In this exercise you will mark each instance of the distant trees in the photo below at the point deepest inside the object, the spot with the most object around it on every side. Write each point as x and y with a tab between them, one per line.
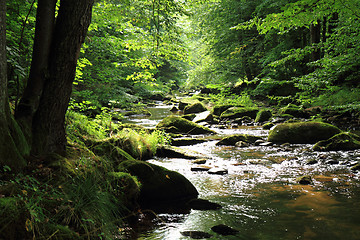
313	43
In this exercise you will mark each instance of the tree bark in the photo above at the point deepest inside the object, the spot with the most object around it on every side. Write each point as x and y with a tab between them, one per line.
12	148
45	19
48	128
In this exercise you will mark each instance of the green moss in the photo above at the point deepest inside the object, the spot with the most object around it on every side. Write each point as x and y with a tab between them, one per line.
194	108
219	109
231	140
342	141
175	124
294	110
302	132
263	115
238	112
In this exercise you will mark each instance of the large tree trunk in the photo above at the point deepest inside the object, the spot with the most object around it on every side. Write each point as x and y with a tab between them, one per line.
45	20
48	126
12	143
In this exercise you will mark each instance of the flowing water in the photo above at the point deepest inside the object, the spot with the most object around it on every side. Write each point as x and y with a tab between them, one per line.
260	195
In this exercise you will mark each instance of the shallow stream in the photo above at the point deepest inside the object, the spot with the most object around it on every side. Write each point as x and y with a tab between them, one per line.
260	196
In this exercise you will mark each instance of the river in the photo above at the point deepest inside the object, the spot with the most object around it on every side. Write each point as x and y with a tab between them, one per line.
260	196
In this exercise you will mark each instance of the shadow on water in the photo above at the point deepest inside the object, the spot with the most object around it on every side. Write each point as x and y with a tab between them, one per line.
261	197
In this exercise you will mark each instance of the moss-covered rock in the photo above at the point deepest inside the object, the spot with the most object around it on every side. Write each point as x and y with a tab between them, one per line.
195	108
233	139
219	109
126	188
186	141
158	184
238	112
263	115
186	102
175	124
268	125
302	132
294	110
342	141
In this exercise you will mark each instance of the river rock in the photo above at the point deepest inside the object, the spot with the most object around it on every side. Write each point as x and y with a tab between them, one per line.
356	167
203	117
200	161
186	141
242	144
263	115
302	132
174	109
342	141
294	110
268	125
238	112
195	108
304	180
173	152
196	234
158	184
224	230
175	124
218	171
219	109
201	168
233	139
202	204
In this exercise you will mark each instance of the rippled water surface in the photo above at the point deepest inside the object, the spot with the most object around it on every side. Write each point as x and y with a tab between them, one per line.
260	196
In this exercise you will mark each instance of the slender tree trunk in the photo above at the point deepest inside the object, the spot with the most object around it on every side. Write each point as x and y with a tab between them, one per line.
12	148
48	126
315	37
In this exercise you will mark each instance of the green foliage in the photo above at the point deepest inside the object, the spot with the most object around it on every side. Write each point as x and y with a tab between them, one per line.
232	99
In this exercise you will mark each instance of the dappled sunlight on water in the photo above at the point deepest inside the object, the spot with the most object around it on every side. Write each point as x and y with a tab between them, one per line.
260	195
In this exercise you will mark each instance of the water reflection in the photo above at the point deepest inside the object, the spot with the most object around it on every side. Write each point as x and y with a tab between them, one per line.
261	197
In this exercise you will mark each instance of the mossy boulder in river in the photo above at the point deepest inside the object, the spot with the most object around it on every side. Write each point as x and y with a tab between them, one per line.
195	108
175	124
159	185
219	109
238	112
302	132
233	139
263	115
342	141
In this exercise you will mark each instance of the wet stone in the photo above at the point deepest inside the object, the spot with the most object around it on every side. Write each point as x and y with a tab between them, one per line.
196	234
224	230
200	169
202	204
241	144
199	161
304	180
218	171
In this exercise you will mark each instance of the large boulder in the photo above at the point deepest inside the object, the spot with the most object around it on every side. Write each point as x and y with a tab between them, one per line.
342	141
219	109
175	124
233	139
195	108
239	112
159	185
302	132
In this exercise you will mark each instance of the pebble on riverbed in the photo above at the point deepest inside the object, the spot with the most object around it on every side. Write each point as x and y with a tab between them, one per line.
304	180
